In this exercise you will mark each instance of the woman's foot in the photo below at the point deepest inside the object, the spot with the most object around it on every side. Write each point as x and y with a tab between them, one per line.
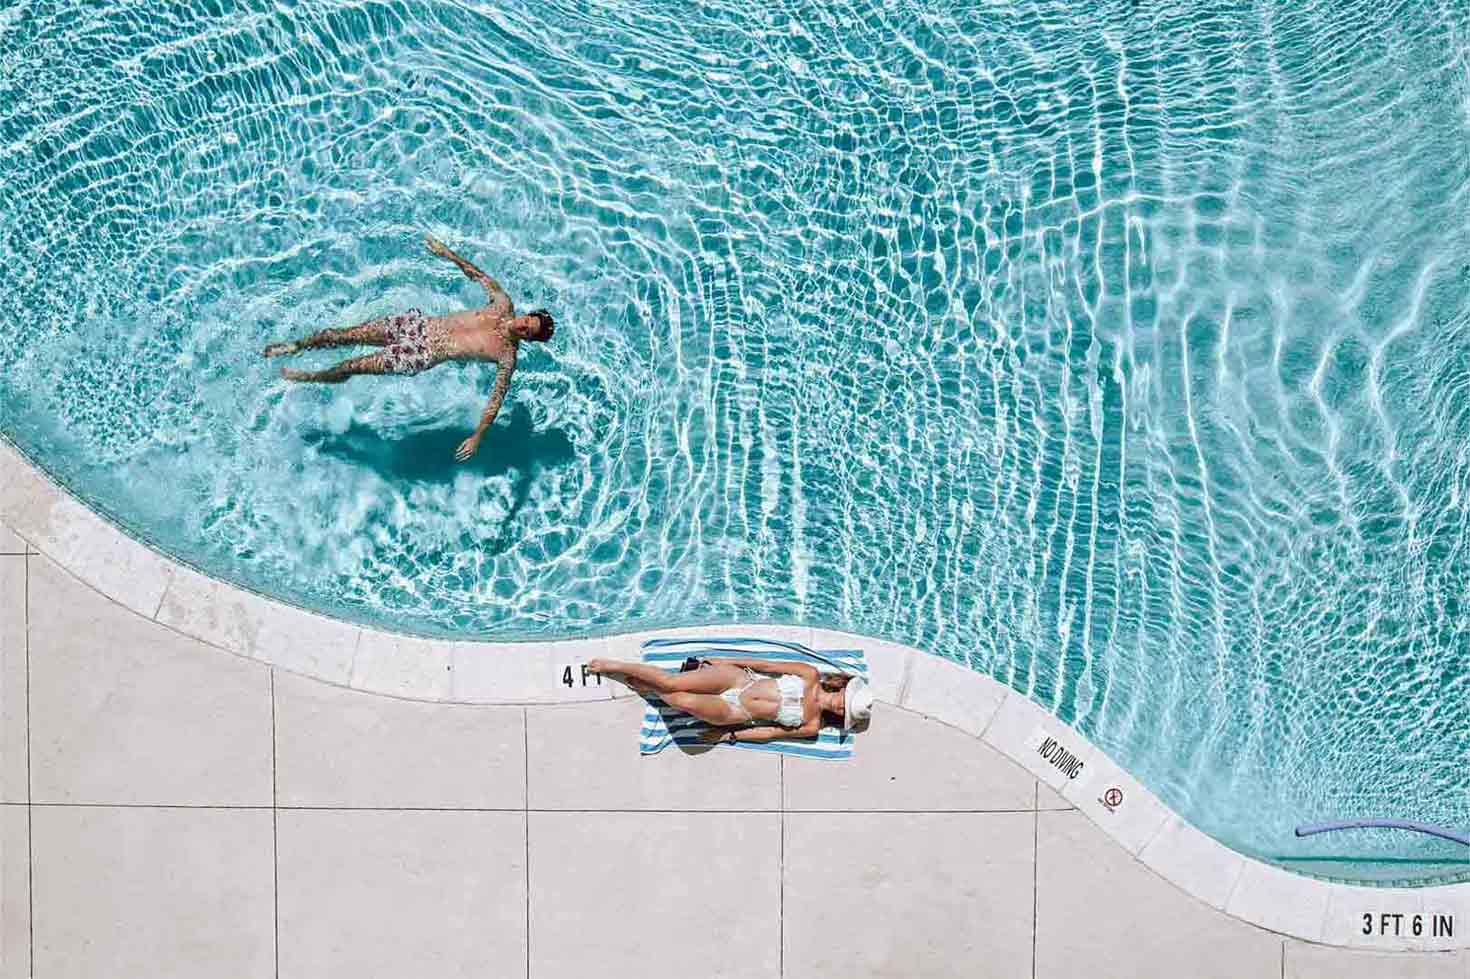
281	349
617	670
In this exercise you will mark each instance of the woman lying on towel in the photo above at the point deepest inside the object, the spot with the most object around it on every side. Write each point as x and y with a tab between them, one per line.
751	699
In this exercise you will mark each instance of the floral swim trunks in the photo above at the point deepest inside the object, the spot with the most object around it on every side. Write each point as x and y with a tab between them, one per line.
410	348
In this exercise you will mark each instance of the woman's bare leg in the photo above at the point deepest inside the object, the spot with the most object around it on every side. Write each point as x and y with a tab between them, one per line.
369	364
713	679
707	707
373	333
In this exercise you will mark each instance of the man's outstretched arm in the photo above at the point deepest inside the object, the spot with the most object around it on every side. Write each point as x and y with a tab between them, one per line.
471	271
471	445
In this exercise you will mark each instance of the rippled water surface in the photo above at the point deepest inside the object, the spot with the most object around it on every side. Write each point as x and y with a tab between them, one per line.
1118	350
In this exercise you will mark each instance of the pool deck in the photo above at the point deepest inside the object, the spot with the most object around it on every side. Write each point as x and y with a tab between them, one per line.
200	782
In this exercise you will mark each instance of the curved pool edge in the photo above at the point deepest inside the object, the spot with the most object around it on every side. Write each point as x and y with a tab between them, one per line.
63	529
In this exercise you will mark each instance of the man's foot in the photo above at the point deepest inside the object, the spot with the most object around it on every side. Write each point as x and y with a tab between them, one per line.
281	349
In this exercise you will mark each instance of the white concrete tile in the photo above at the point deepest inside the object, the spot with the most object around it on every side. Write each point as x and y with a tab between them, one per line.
245	623
84	543
526	673
25	494
1192	861
1321	962
1382	918
1043	745
1113	799
373	893
1279	900
888	663
162	893
951	693
626	894
13	774
15	896
1353	910
629	645
1101	914
10	542
338	747
1447	908
124	570
905	761
402	666
908	894
125	711
587	758
1049	798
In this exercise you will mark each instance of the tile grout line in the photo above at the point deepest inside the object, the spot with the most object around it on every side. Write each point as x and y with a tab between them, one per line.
1005	695
352	667
1235	886
781	879
526	824
905	675
162	597
275	837
30	821
1035	859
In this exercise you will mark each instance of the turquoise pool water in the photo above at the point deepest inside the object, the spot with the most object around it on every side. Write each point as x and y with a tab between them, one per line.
1118	350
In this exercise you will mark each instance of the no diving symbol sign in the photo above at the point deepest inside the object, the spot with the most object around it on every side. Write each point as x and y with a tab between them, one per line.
1112	799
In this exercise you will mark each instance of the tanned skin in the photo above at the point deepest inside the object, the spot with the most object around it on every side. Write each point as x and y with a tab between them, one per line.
492	332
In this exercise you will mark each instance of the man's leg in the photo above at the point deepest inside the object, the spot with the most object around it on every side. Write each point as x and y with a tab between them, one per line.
373	333
369	364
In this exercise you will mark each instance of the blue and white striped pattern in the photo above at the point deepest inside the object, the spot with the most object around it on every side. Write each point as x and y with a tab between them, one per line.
663	726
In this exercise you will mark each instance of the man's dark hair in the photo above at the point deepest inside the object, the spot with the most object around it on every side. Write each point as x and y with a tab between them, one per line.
548	325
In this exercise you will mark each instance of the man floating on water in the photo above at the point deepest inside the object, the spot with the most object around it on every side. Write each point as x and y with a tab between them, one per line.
413	343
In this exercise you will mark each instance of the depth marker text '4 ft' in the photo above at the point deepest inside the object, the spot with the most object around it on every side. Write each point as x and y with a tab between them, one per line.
569	680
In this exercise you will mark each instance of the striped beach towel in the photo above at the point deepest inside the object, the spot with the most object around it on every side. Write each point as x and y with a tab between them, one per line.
663	726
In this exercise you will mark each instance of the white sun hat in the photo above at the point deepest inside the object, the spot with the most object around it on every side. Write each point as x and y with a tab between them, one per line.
857	705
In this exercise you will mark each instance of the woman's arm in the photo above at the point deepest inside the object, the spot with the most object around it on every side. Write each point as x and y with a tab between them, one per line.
804	670
762	733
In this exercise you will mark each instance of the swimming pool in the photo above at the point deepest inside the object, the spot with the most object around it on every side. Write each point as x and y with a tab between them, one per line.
1118	350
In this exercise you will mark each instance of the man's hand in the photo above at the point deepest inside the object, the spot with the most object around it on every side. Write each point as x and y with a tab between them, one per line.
712	735
437	247
468	448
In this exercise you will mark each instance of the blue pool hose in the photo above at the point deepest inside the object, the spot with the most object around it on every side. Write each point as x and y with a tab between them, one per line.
1426	828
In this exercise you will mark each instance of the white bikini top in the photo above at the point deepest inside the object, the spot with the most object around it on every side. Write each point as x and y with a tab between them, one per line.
790	687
